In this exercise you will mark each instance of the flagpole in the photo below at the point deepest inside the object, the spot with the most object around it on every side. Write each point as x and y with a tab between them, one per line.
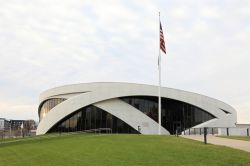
159	88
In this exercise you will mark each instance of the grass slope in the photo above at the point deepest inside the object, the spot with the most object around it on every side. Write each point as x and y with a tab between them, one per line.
117	150
244	138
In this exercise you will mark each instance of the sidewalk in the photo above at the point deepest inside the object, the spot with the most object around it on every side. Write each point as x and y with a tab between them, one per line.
232	143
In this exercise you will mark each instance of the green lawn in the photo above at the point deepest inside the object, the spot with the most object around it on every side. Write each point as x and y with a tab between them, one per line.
118	150
245	138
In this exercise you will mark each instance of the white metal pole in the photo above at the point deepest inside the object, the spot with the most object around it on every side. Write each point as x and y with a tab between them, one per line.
159	88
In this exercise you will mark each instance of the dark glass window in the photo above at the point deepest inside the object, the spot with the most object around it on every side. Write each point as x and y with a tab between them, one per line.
176	115
48	105
89	118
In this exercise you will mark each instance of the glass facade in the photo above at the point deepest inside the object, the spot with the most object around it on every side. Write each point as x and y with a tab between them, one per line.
89	118
176	115
48	105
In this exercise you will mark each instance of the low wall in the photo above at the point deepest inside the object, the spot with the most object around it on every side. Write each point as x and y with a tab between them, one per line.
199	131
236	131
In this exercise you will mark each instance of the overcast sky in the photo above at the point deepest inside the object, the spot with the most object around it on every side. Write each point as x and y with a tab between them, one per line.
44	44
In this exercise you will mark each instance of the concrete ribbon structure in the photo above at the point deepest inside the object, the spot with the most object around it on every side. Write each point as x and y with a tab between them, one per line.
106	95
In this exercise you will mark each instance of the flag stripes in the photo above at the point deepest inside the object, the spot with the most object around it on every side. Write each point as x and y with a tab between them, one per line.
162	42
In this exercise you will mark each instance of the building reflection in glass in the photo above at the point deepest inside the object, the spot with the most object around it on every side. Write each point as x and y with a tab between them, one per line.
48	105
175	114
89	118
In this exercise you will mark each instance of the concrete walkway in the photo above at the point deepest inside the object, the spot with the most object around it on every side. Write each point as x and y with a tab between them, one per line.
232	143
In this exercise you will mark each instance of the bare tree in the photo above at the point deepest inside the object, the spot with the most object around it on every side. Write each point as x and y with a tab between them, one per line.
2	134
28	125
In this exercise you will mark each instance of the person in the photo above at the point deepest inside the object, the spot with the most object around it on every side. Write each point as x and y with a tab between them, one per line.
139	129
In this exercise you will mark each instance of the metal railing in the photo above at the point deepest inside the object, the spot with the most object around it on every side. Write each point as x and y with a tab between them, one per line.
199	131
223	131
5	136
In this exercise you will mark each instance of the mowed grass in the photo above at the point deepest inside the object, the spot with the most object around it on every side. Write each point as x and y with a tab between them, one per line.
244	138
118	150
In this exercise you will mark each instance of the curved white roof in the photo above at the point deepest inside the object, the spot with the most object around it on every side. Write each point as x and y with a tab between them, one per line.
106	95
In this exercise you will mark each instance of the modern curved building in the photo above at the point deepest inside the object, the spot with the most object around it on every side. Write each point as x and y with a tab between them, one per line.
127	108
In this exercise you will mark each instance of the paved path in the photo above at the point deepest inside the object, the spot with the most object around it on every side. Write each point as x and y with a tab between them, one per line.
233	143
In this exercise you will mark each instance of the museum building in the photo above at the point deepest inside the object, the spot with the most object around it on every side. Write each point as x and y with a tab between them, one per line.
128	108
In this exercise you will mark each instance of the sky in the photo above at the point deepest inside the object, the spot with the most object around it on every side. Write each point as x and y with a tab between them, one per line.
45	44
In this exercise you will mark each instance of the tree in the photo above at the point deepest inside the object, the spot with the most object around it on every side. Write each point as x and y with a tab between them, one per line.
28	125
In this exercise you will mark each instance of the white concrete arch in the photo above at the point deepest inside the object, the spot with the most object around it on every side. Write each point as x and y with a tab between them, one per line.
81	95
131	116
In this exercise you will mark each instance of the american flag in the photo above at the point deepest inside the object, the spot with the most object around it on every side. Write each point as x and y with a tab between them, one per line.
162	42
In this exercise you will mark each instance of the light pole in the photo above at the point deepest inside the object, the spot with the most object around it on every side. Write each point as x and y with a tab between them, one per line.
10	128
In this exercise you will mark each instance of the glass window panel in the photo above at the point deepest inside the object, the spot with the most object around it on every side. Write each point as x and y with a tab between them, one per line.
48	105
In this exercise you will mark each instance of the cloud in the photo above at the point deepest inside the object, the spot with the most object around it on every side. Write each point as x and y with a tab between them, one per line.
51	43
211	12
181	12
14	110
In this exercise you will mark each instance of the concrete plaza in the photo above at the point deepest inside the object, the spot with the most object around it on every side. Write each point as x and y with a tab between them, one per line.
233	143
